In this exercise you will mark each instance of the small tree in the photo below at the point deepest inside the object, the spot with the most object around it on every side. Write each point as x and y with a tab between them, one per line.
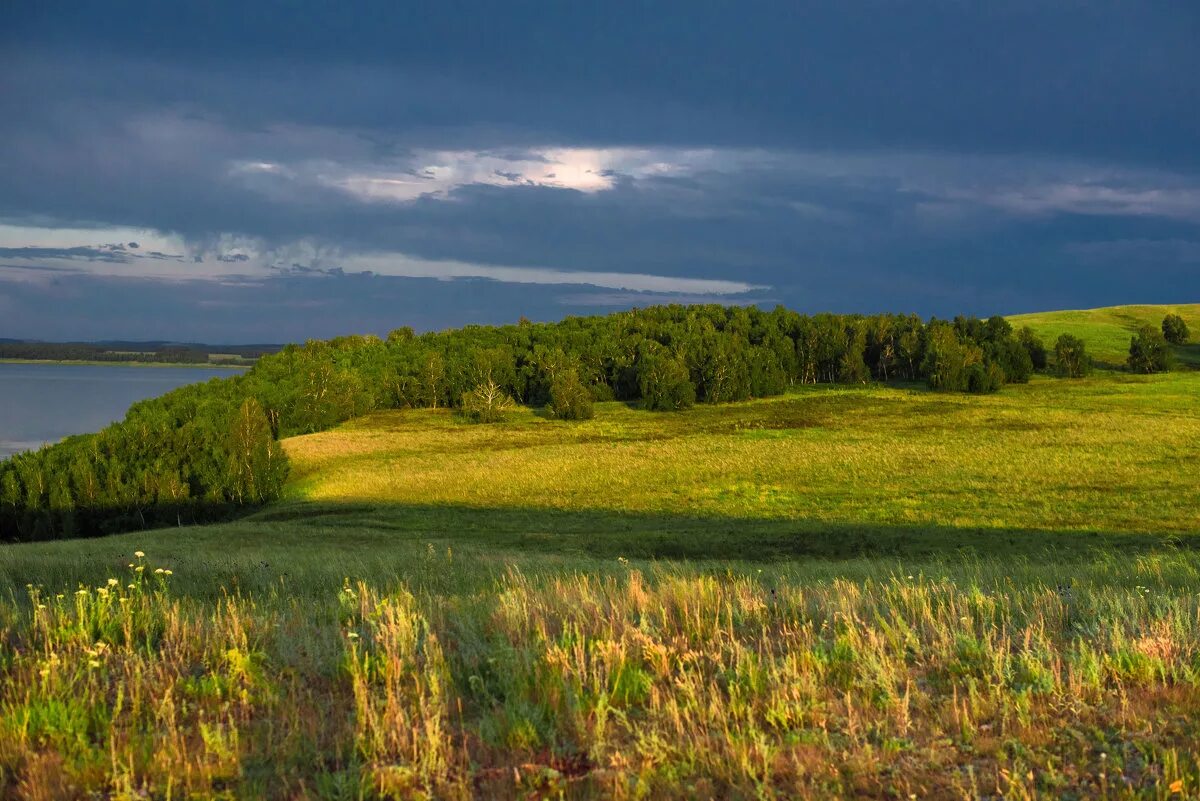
1175	330
1149	352
664	381
487	403
1071	358
257	465
569	398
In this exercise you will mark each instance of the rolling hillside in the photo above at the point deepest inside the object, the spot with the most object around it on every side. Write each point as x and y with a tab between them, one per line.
1107	331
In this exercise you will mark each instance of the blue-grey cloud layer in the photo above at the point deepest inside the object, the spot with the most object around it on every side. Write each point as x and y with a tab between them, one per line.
936	157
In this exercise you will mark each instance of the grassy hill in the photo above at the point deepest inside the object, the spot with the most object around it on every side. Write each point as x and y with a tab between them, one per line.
1107	331
841	592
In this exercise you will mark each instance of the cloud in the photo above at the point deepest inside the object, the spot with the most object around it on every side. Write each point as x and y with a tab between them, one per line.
826	157
286	306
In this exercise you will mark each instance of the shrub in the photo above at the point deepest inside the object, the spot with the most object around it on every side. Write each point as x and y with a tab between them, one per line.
569	398
1034	347
1071	358
1175	330
487	403
1013	359
1149	352
984	378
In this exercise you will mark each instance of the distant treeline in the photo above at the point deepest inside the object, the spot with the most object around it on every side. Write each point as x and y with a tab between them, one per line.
132	352
208	450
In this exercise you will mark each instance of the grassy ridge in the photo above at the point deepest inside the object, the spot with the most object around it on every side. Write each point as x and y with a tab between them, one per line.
1107	331
1105	454
840	593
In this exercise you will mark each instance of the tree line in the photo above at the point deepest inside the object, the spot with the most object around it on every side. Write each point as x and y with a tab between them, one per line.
208	450
131	352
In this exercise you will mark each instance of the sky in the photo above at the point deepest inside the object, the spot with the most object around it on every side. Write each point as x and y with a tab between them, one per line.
231	172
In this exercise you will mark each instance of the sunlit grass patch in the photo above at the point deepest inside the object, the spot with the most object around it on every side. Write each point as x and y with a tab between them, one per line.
636	680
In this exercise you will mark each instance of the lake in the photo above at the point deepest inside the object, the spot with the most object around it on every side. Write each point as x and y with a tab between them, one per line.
42	403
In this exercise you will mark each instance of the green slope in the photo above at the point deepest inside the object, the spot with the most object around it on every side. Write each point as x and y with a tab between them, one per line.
1107	331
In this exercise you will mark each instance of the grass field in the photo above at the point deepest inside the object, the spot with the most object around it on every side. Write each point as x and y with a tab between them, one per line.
841	593
1107	331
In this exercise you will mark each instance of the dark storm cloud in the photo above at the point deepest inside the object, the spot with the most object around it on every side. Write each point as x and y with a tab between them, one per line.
938	157
1107	78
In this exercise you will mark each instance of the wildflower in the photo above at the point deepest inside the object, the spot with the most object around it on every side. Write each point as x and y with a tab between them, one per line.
139	554
910	578
131	564
44	672
352	635
93	663
140	568
131	586
81	591
168	573
112	582
158	571
41	606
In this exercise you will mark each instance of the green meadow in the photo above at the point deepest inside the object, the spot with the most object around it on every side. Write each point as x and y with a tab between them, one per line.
868	592
1107	331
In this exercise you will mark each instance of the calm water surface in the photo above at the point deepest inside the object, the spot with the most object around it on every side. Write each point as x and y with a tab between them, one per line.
42	403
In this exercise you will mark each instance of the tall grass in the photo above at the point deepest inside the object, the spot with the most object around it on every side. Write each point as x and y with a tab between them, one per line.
965	679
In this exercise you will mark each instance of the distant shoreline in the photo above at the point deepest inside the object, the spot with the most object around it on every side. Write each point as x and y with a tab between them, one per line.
105	363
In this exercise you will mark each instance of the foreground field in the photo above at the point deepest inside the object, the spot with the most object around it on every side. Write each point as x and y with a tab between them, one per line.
840	593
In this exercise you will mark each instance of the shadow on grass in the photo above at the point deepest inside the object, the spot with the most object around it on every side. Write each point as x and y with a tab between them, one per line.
610	534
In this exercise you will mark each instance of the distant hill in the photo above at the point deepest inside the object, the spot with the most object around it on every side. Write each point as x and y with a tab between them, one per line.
157	351
1107	331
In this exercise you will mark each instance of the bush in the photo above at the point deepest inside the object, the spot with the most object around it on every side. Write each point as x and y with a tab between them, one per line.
1175	330
569	398
1071	358
984	378
1149	352
487	403
1034	347
1013	359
